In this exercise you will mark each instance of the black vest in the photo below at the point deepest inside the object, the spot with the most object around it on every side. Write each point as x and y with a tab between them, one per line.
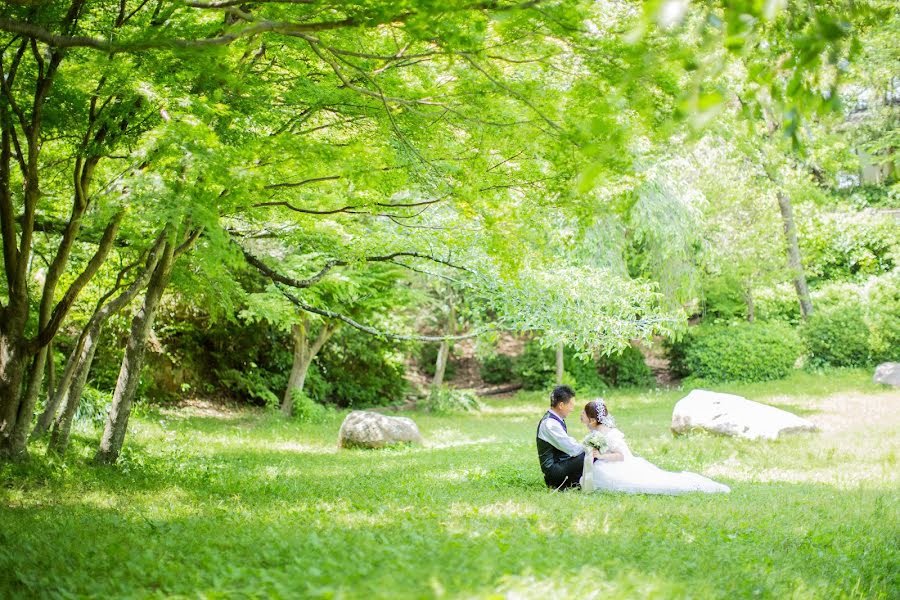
549	454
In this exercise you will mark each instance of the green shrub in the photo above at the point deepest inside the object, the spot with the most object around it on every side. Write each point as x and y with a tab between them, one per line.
778	303
865	196
248	362
428	360
837	337
250	383
536	369
585	375
251	361
446	400
497	368
307	410
736	352
723	298
882	314
845	244
360	370
837	295
626	369
93	407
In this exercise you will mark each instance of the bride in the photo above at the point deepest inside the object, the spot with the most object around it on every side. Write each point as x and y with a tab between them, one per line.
618	470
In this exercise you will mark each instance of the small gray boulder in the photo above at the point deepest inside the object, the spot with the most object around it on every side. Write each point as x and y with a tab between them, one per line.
366	429
728	414
887	373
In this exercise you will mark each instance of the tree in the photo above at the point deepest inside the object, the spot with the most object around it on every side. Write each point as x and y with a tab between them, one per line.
357	112
361	293
66	396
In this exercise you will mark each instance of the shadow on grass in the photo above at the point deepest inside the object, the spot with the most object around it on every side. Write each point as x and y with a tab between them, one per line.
464	539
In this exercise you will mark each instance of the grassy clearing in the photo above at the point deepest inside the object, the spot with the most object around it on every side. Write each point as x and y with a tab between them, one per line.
249	505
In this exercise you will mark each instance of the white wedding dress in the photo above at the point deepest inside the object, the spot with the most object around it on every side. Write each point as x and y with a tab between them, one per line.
638	476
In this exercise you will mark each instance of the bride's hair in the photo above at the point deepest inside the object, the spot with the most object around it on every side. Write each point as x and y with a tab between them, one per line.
596	410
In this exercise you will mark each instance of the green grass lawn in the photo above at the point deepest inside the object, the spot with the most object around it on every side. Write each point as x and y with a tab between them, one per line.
246	504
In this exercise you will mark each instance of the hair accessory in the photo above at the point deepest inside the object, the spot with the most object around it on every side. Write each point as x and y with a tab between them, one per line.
603	416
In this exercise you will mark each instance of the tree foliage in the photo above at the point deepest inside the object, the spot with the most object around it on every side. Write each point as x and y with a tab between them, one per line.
329	144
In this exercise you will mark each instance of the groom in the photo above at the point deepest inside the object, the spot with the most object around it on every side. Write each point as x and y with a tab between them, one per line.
561	456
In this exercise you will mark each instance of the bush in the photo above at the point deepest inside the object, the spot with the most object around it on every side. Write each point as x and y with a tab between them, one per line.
447	400
94	406
249	362
845	244
736	352
865	196
497	368
778	303
582	375
626	369
428	359
723	298
536	368
356	369
307	410
250	383
837	337
882	315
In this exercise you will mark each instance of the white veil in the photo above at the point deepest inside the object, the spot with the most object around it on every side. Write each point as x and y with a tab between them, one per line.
587	473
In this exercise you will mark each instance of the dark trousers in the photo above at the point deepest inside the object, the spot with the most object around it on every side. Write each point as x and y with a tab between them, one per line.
565	473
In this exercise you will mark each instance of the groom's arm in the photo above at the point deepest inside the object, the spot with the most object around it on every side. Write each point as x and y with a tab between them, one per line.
554	434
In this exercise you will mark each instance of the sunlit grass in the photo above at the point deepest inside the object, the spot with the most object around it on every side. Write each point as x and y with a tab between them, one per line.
250	505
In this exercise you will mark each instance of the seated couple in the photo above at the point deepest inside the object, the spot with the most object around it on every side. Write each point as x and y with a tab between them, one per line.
607	464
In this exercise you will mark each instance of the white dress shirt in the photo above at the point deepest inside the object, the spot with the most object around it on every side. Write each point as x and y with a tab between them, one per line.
552	432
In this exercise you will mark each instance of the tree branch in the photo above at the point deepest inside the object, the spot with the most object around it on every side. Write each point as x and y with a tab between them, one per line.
512	93
185	246
371	330
331	264
314	44
6	82
62	307
346	209
304	182
7	219
286	28
69	41
352	209
229	3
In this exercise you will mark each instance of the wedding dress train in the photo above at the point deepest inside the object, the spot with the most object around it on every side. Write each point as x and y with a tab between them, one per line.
636	475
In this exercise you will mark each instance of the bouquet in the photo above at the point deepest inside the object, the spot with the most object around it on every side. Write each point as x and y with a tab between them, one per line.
595	441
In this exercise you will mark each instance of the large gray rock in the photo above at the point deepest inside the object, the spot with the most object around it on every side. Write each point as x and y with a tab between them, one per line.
365	429
887	373
728	414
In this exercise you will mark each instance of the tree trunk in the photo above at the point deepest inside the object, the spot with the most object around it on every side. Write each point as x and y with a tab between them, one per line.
57	393
793	251
748	298
12	372
133	360
17	353
71	395
440	365
51	371
18	439
49	320
14	350
299	335
560	363
303	357
68	391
